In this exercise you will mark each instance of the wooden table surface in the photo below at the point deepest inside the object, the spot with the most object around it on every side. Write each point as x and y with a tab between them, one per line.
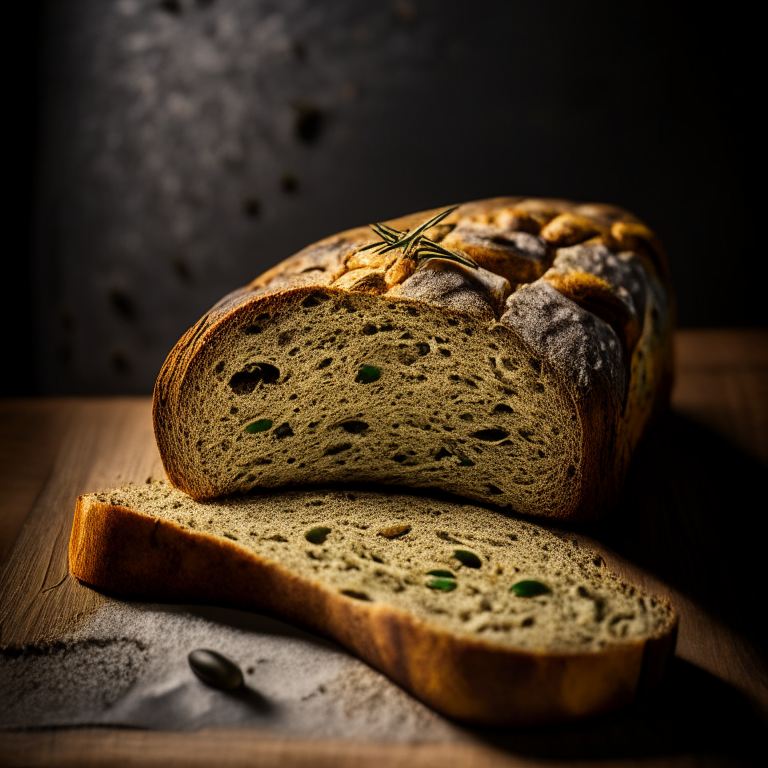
690	525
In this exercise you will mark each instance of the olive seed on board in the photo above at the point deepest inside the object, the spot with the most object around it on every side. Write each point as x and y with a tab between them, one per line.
215	670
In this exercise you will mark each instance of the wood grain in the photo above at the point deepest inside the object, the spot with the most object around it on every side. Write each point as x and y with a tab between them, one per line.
31	433
688	525
88	748
104	442
721	381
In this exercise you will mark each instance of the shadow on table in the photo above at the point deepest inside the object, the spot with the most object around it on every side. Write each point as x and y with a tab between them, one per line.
690	713
261	623
693	512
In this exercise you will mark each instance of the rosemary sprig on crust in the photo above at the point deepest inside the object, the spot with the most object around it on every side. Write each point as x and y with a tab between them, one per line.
415	245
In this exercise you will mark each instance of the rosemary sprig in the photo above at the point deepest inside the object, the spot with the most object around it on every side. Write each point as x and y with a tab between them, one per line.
411	238
415	245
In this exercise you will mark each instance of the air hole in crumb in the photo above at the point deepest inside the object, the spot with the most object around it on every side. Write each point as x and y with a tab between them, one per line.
493	490
442	453
314	299
527	622
336	449
502	408
284	430
571	471
490	435
220	367
354	427
245	381
285	337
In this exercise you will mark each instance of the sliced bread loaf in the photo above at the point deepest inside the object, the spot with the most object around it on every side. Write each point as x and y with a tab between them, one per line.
511	352
486	618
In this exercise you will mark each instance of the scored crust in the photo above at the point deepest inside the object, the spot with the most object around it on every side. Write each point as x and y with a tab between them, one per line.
577	293
455	668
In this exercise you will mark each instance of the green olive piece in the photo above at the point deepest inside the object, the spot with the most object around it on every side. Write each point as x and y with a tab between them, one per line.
529	588
470	559
444	585
215	670
262	425
442	574
368	374
317	535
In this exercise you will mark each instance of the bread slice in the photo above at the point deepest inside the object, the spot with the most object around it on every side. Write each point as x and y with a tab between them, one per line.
525	380
419	588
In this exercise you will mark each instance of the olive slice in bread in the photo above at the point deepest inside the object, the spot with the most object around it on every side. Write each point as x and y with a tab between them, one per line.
521	373
487	618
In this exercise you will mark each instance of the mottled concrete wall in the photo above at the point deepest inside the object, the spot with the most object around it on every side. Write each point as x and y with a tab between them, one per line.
187	145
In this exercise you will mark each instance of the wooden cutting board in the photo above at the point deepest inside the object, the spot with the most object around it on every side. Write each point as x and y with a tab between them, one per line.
688	526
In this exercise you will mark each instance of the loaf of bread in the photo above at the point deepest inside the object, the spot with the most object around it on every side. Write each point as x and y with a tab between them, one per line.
510	351
485	617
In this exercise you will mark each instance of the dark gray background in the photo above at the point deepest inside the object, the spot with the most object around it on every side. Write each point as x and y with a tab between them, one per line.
171	151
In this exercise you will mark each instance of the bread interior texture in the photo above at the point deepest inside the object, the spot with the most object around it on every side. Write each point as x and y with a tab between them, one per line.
450	564
319	386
